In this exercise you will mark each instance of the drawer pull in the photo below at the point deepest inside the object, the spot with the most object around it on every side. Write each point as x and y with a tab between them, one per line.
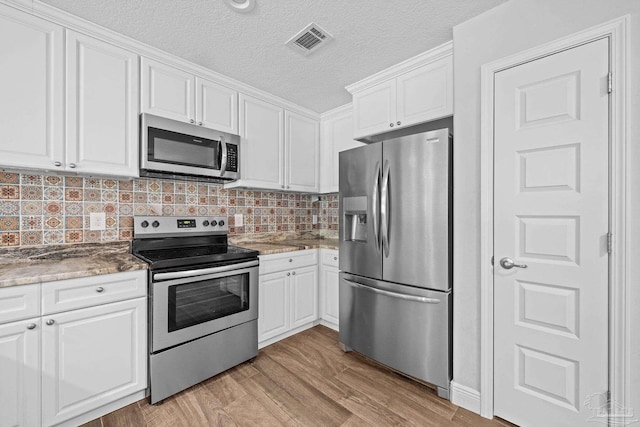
100	290
288	274
335	258
31	326
294	273
393	294
50	322
290	259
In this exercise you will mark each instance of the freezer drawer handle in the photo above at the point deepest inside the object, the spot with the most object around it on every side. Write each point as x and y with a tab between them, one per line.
394	294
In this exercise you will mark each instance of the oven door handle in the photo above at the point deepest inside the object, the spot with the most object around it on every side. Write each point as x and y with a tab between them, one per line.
203	271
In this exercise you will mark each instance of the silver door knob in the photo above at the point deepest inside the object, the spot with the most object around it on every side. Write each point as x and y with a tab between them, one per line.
507	263
58	164
72	165
50	322
31	326
100	290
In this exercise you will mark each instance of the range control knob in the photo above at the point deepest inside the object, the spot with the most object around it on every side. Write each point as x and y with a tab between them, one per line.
205	222
221	223
144	224
155	224
214	222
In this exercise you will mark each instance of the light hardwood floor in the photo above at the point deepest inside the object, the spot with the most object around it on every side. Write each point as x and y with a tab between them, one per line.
304	380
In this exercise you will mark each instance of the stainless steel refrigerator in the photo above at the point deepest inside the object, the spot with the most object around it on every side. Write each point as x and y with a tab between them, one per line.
395	254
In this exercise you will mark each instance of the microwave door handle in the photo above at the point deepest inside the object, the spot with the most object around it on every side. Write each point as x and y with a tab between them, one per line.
223	162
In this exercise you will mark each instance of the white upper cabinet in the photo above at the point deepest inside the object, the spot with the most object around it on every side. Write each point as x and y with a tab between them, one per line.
216	106
31	88
415	91
336	136
302	141
176	94
102	107
279	148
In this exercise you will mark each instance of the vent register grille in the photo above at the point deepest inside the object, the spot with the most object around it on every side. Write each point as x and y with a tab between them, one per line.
309	39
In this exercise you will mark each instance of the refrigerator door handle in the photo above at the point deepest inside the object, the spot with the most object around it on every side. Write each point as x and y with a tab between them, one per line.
385	209
374	206
393	294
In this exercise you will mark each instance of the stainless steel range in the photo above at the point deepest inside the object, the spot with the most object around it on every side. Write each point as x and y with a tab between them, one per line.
203	300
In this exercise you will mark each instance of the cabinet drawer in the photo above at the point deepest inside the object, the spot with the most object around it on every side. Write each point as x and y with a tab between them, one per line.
19	302
287	261
83	292
330	258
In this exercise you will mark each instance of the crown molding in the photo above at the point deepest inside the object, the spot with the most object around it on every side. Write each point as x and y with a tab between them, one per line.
338	111
81	25
432	55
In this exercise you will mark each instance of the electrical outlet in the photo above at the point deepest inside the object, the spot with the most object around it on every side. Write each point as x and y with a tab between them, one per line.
97	221
239	220
315	219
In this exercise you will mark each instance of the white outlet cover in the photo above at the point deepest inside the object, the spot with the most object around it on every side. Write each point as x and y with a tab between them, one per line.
97	221
239	220
315	219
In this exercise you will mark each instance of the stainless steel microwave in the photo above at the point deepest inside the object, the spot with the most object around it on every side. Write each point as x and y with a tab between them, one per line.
169	148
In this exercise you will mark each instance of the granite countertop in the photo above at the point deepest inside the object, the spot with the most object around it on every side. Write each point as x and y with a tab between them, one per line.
23	266
274	243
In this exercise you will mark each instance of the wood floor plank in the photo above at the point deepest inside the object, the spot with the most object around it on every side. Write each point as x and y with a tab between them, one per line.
94	423
323	406
304	380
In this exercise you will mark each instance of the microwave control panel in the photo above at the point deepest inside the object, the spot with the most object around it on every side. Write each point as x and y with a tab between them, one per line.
232	157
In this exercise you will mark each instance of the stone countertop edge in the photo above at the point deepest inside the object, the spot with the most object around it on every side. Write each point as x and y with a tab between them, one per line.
30	265
269	248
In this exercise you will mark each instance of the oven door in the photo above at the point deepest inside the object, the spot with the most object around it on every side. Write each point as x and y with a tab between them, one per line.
186	305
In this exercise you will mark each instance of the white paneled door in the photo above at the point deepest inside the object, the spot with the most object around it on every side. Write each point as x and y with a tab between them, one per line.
551	181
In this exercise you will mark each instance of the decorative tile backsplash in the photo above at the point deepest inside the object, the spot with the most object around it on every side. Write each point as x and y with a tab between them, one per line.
54	209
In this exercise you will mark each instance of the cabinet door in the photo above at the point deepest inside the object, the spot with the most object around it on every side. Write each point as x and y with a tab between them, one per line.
92	357
216	106
374	110
304	296
32	91
425	93
336	136
102	107
273	305
167	91
302	141
262	155
20	373
329	294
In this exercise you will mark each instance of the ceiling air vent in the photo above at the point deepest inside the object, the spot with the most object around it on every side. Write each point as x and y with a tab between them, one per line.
309	39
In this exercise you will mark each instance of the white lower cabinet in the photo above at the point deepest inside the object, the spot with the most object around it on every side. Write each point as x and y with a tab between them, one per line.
288	294
70	366
20	373
91	357
329	308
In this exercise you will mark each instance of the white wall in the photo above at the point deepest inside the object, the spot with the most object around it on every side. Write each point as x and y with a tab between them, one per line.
510	28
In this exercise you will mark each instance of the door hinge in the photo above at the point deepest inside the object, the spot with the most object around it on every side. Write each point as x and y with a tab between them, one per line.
609	243
610	82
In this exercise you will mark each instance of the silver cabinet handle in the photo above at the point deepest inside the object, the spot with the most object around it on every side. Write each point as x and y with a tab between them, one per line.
191	121
58	164
335	258
398	123
223	162
507	263
288	274
290	259
282	186
199	123
374	206
391	125
393	294
31	326
294	273
100	289
385	208
72	165
50	322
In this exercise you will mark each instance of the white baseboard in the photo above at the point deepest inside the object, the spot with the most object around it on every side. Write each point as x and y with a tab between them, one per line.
329	325
104	410
465	397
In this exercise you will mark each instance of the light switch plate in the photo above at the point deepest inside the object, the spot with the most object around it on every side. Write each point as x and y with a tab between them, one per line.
97	221
239	220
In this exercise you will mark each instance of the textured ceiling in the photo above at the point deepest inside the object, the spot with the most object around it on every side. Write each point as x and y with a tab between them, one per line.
370	35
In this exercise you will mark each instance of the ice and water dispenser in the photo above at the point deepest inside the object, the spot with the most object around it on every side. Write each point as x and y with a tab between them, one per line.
355	218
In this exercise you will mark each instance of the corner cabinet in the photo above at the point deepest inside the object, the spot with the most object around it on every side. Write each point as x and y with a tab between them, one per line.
336	136
179	95
279	148
75	353
288	295
416	91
